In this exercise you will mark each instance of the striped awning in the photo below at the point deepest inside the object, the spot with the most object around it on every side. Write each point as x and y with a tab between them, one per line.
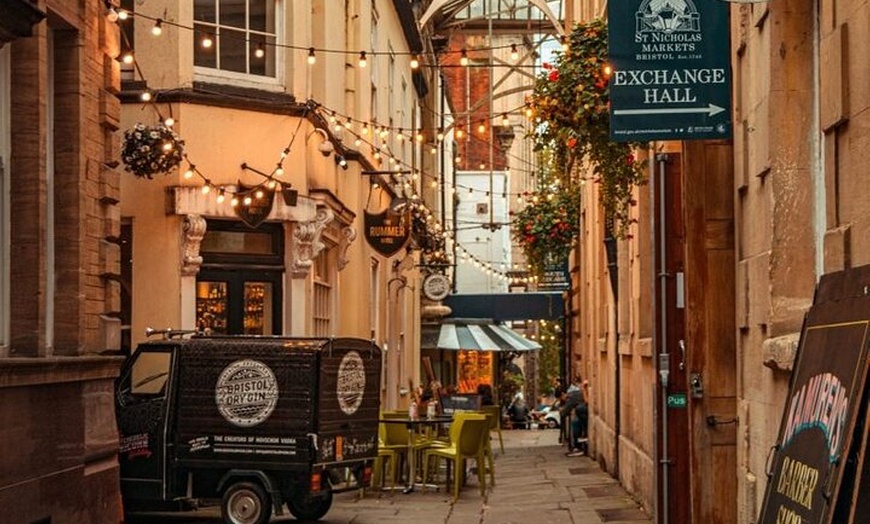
475	334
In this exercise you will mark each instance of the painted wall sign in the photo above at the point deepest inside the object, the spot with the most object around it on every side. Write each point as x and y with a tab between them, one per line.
819	418
387	232
671	70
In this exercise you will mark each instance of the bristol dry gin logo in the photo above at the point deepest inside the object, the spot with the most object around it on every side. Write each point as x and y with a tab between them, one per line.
667	16
246	393
351	382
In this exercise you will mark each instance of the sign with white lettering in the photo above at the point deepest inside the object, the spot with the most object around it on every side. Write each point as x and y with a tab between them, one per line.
815	445
671	75
387	232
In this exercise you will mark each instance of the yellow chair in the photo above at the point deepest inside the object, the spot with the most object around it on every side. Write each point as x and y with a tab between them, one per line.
387	454
493	414
467	440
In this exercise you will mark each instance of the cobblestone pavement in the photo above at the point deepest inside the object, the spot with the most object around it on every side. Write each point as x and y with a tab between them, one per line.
535	482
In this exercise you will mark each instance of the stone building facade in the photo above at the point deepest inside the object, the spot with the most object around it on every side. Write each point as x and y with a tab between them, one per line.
59	289
750	225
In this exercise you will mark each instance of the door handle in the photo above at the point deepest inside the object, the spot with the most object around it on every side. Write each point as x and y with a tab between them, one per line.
682	345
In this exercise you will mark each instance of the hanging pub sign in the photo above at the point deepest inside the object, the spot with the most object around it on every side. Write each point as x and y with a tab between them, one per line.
671	76
254	213
823	411
387	232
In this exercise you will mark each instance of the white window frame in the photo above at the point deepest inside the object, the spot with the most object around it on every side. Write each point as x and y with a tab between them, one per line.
220	76
5	156
324	283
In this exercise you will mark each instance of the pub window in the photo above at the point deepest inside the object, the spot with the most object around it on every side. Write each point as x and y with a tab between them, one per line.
231	242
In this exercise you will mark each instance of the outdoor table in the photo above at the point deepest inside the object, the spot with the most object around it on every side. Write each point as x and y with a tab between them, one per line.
414	426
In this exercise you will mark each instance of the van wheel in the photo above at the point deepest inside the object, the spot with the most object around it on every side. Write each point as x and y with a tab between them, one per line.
246	503
307	507
552	424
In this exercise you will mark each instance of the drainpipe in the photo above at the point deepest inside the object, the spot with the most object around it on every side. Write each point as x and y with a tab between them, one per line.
664	358
610	248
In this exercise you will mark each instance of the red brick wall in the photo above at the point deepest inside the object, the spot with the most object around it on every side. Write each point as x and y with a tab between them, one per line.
468	89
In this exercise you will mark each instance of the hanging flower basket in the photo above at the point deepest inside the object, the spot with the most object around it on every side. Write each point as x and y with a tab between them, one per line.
571	110
151	150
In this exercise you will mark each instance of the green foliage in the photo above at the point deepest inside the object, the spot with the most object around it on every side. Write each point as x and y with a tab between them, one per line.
551	340
570	104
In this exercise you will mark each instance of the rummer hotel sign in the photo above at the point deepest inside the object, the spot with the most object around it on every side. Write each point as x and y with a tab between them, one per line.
387	232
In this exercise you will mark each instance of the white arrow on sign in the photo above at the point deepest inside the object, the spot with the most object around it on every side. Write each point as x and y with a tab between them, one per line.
711	109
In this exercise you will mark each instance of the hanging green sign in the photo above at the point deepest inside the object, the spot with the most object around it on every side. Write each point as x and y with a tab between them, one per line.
671	75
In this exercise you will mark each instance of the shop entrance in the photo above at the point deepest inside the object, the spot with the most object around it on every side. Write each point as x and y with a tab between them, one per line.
239	289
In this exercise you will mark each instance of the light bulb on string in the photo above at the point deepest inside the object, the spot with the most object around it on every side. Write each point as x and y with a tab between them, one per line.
362	59
169	121
206	41
515	55
564	41
481	128
504	120
415	62
247	200
463	58
145	96
420	137
357	142
234	201
221	197
311	57
206	189
260	52
188	174
127	58
157	28
440	135
271	184
279	170
123	14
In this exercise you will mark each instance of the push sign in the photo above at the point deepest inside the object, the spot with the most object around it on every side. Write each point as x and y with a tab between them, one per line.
671	70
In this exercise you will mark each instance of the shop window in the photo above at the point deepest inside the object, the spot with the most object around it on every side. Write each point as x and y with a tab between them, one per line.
236	36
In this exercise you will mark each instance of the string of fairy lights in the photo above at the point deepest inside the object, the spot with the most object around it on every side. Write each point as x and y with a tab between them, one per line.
404	180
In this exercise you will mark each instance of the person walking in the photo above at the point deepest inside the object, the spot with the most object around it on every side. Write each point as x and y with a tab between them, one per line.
575	412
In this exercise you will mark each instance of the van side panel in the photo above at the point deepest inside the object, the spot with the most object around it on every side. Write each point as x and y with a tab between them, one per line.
252	403
349	404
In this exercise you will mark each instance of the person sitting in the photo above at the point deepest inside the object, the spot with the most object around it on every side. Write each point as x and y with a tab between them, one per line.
485	392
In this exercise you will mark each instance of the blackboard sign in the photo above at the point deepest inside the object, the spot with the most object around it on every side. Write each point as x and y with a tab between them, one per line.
819	419
450	404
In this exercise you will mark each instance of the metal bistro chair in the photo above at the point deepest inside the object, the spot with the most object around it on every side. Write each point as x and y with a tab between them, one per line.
388	454
493	414
467	440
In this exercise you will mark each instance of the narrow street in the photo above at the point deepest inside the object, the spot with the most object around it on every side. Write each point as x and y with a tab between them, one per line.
535	482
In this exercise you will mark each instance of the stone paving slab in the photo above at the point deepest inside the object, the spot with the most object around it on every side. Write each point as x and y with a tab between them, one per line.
535	483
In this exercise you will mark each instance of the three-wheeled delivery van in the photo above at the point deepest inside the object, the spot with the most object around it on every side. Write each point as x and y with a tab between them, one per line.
256	422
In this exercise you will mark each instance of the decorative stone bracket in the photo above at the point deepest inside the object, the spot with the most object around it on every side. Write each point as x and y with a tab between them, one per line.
306	243
348	235
193	228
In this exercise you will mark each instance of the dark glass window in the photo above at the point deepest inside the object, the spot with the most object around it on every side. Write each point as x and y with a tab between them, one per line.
241	35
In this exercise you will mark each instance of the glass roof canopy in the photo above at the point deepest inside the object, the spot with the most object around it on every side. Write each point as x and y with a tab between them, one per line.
513	15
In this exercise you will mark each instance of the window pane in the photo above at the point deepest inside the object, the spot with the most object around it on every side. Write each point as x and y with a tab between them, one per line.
211	307
204	11
203	56
258	308
248	242
233	13
262	16
233	51
149	373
